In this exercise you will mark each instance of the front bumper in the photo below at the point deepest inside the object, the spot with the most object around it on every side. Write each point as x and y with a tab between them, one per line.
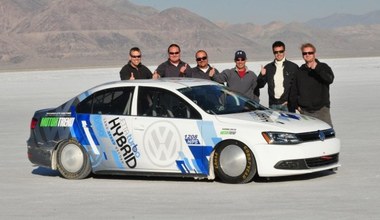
307	157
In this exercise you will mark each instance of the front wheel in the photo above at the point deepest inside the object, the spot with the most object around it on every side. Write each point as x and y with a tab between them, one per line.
234	162
72	160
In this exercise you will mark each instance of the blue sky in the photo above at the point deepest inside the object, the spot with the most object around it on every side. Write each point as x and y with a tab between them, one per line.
265	11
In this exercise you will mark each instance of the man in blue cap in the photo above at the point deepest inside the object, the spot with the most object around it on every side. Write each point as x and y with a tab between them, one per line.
240	78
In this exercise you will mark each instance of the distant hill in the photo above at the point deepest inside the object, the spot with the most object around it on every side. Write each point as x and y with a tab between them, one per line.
345	20
40	34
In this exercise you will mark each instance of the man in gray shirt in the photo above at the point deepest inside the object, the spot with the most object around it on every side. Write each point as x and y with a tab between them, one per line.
174	66
239	78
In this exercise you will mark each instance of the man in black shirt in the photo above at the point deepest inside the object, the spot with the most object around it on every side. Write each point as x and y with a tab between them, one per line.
310	91
134	69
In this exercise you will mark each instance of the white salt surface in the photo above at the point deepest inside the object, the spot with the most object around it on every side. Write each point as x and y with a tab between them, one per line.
353	192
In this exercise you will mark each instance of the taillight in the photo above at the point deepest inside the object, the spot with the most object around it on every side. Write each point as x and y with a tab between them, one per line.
33	123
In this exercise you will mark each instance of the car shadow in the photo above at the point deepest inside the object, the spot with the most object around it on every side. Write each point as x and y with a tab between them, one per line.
294	177
149	178
43	171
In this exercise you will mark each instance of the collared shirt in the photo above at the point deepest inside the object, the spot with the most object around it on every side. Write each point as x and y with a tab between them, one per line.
199	73
167	69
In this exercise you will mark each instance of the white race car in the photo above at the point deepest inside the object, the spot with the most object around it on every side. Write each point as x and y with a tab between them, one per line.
177	127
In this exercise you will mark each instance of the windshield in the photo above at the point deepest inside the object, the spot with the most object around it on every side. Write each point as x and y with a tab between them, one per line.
218	99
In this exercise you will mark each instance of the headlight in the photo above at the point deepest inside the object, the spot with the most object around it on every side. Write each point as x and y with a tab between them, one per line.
280	138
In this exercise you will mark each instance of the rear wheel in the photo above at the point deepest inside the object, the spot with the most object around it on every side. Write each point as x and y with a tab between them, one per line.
72	160
234	162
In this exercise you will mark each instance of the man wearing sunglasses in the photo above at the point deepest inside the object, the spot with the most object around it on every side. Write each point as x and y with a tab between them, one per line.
203	70
279	76
134	69
310	91
174	66
240	78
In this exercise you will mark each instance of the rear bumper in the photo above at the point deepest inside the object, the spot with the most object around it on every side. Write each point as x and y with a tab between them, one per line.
39	155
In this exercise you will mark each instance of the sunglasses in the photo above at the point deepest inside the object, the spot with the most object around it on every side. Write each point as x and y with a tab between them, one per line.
172	53
307	53
201	58
278	51
240	59
138	56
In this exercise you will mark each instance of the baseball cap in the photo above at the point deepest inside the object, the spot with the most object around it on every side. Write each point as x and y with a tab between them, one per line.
240	54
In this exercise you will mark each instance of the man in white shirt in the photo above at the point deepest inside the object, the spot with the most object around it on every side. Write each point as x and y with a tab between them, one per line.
279	75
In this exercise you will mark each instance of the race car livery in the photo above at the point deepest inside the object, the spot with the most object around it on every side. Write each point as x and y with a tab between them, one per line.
177	127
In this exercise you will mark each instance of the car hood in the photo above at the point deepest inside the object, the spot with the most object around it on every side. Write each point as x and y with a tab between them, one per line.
275	121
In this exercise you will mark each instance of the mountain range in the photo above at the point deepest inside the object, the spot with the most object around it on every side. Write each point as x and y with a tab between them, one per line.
44	34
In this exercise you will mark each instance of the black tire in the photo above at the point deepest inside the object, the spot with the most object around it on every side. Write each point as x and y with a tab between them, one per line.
73	161
234	162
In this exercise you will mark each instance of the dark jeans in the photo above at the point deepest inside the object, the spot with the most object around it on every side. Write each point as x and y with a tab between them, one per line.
279	107
322	114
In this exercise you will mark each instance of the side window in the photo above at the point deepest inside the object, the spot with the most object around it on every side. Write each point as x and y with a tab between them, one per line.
115	101
158	102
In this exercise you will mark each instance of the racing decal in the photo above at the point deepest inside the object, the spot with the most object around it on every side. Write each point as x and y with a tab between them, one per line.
200	161
274	117
287	116
83	132
57	122
261	116
55	126
191	139
228	131
208	133
183	164
121	137
58	114
162	141
77	130
89	138
199	164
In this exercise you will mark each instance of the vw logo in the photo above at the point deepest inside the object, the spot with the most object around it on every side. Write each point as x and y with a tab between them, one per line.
162	143
322	136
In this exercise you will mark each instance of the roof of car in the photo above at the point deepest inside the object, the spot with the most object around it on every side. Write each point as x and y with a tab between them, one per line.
168	82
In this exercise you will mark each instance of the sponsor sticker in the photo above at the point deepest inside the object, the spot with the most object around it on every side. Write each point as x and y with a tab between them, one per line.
57	122
120	135
228	131
192	139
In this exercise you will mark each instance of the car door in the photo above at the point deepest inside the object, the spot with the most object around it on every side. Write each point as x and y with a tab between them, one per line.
167	130
104	128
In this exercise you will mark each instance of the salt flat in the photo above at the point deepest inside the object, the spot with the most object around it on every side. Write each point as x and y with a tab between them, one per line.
353	192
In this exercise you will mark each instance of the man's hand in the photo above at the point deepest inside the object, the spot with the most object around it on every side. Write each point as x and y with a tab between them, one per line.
212	72
132	77
183	69
156	75
263	71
